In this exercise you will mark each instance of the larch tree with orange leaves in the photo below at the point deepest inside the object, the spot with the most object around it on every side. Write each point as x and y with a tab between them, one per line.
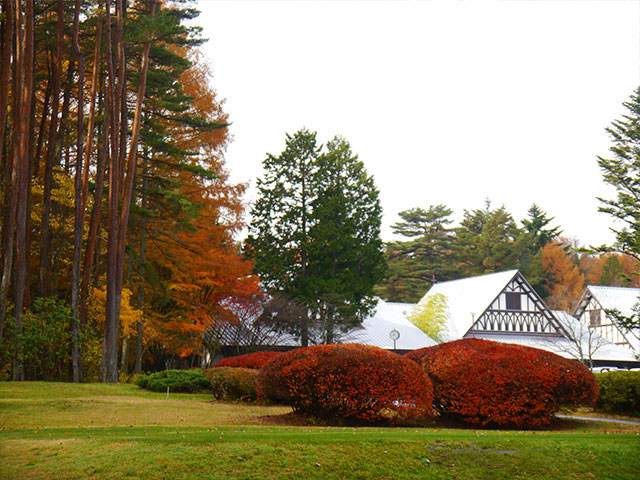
187	260
563	279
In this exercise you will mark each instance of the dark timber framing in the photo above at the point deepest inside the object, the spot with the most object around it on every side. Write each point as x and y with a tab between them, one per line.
604	325
535	319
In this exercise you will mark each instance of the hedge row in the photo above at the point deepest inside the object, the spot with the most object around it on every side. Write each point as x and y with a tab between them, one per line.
489	383
619	392
188	381
349	381
233	383
475	381
250	360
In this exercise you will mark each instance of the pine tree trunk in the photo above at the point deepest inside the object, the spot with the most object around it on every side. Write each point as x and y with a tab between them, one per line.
143	254
10	200
41	129
78	207
117	243
109	367
124	360
5	67
25	52
84	286
33	166
96	215
45	236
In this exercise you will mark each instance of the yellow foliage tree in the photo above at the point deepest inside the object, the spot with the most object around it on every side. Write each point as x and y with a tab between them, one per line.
431	316
129	316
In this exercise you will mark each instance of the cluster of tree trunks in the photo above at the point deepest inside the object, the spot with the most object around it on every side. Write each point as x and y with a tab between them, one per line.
23	143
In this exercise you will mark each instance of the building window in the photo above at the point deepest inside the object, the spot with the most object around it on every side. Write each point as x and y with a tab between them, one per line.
514	301
595	317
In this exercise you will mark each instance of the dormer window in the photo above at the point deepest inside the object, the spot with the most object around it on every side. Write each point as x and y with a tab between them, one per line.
514	301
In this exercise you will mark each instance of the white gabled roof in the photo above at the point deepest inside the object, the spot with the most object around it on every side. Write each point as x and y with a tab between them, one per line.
468	298
621	298
386	317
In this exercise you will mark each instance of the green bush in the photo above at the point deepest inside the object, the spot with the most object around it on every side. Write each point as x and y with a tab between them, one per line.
619	392
187	381
233	383
46	343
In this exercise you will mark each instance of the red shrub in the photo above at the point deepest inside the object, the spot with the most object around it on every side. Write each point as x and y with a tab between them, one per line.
490	383
348	381
250	360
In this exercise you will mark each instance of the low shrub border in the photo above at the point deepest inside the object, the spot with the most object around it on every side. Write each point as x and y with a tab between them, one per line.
619	392
481	382
233	383
250	360
186	381
350	381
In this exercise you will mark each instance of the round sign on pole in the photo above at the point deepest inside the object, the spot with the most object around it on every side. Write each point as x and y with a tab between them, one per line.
394	335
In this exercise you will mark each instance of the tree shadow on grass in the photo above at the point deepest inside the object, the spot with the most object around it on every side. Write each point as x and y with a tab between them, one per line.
297	419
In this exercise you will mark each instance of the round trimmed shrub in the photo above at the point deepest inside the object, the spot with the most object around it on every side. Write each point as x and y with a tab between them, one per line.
186	381
350	381
233	383
490	383
619	392
250	360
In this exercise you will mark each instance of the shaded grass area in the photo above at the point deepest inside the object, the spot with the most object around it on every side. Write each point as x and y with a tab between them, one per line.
42	405
190	437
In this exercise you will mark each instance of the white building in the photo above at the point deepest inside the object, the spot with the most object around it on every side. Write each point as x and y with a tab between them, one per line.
387	317
503	307
594	311
375	330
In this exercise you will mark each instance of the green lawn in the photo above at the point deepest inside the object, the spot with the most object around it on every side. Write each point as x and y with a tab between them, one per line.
63	431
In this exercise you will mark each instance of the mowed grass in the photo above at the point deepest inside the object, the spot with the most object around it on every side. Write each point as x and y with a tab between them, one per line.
64	431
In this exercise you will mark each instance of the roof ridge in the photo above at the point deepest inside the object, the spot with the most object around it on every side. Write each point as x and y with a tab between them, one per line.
513	270
612	286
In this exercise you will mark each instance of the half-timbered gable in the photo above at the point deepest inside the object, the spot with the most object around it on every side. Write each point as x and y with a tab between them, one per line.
593	312
517	309
495	304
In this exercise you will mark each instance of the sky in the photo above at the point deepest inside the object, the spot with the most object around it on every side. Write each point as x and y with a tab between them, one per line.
445	102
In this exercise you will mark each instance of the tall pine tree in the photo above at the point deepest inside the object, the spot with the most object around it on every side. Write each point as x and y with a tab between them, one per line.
622	171
314	236
427	257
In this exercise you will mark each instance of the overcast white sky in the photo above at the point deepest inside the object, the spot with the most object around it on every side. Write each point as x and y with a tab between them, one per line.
445	102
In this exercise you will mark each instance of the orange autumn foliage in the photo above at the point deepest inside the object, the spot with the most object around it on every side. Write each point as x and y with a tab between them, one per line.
489	383
350	381
593	268
255	360
194	249
564	282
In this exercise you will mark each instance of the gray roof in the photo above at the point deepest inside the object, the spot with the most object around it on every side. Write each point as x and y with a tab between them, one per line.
386	317
374	330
